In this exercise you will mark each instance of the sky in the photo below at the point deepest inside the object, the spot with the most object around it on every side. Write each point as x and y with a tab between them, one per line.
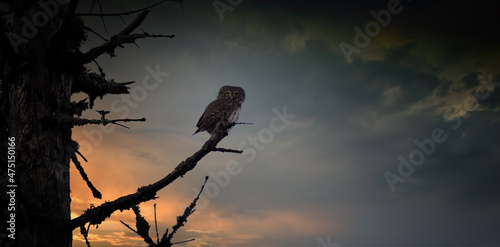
375	123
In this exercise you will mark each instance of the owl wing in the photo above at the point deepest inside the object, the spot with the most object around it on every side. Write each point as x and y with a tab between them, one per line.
213	113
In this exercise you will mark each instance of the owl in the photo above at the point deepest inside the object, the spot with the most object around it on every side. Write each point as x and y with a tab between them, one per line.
229	100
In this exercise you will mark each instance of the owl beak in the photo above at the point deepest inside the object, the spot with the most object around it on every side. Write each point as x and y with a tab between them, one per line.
232	97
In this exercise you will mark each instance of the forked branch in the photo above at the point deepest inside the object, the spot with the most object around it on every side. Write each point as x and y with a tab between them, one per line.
122	37
143	226
98	214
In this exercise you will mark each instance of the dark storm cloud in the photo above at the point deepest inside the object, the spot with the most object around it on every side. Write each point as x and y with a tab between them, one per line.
471	79
395	54
467	160
458	19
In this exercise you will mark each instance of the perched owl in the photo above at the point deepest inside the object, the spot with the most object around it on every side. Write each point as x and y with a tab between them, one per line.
229	100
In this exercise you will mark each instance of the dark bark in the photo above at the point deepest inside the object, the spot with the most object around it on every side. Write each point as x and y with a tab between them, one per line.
42	161
35	84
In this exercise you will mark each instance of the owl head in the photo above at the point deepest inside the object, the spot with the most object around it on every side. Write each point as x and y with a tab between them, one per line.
232	93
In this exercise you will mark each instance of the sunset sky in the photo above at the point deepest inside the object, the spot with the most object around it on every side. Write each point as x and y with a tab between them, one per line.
375	123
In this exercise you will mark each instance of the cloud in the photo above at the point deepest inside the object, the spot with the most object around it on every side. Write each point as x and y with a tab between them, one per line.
264	226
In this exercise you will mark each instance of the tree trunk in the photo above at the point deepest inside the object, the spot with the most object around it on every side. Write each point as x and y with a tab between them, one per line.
42	159
37	77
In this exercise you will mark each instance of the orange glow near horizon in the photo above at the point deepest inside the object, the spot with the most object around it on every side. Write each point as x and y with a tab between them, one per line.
114	171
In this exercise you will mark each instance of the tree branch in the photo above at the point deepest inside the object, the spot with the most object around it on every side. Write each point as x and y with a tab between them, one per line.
73	150
226	150
82	121
85	234
143	226
79	167
127	12
122	37
94	32
98	214
129	227
183	218
77	108
95	86
110	45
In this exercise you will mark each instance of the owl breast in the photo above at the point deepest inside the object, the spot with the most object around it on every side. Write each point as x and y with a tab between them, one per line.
233	116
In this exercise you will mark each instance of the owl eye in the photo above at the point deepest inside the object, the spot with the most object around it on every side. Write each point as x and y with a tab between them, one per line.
235	93
228	93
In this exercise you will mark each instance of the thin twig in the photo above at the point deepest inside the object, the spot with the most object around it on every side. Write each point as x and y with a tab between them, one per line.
101	70
81	155
156	226
244	123
127	12
128	227
123	20
94	32
85	234
121	125
96	193
88	230
102	17
226	150
185	241
92	6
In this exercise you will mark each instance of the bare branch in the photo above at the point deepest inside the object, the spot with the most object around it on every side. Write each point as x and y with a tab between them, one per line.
130	39
82	121
101	70
95	86
85	233
98	214
81	155
142	226
102	17
183	218
156	226
79	167
185	241
77	108
111	44
73	150
94	32
122	37
127	12
129	227
226	150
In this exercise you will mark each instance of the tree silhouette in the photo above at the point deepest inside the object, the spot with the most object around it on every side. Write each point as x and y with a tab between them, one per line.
42	66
